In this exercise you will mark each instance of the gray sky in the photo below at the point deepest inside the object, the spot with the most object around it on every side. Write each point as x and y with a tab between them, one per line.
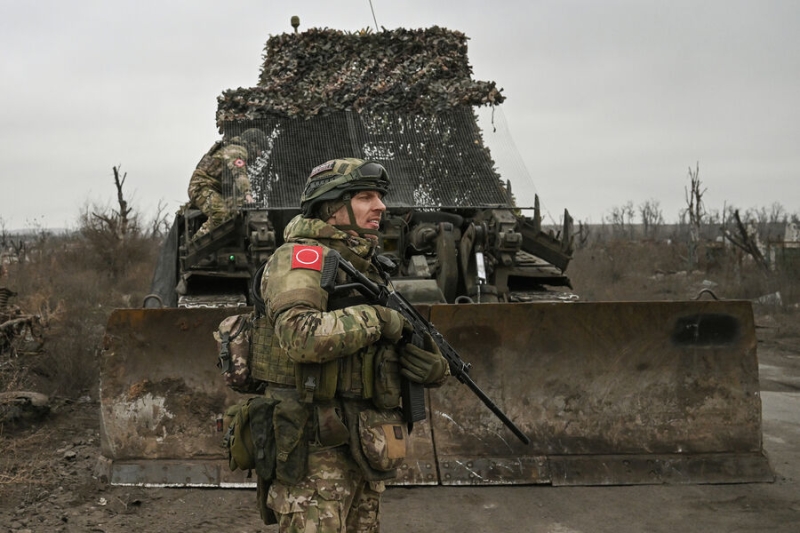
607	101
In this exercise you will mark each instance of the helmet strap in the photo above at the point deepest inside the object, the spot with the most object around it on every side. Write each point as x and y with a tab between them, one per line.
353	226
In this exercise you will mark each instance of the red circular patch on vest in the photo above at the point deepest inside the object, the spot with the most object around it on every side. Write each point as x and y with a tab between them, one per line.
239	163
309	257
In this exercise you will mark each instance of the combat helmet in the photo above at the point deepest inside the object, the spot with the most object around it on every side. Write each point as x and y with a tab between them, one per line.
253	139
336	181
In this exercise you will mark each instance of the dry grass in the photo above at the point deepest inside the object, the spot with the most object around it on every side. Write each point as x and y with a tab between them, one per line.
622	270
27	469
18	466
73	290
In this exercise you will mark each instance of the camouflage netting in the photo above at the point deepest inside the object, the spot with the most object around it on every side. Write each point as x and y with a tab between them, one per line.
320	71
404	98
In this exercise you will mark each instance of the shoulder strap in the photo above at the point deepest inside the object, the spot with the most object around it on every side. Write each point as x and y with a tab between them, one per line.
255	292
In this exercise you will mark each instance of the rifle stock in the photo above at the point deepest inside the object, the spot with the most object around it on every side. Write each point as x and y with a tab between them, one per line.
413	393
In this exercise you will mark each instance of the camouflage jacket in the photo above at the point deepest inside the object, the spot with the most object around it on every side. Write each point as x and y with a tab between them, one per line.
222	169
298	306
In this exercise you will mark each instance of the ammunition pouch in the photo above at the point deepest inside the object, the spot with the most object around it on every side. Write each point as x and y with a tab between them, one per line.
329	425
385	377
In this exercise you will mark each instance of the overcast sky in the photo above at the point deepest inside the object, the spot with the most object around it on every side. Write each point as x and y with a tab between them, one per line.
607	101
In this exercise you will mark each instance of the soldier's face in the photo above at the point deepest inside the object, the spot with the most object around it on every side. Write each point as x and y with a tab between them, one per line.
368	208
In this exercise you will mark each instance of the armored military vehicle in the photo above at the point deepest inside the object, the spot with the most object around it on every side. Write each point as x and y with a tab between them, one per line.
608	392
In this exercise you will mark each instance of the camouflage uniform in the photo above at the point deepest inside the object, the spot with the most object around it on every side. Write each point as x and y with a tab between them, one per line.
334	496
343	357
219	182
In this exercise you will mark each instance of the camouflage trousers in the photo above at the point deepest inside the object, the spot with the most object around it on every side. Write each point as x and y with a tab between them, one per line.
214	206
333	498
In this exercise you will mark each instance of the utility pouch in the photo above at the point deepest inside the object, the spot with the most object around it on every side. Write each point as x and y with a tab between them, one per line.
317	382
233	338
290	419
249	440
329	425
238	441
377	440
386	387
383	438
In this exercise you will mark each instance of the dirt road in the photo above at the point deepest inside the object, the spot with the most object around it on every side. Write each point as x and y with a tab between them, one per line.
47	484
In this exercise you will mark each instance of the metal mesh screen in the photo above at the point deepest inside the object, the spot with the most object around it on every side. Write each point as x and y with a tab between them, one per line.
433	161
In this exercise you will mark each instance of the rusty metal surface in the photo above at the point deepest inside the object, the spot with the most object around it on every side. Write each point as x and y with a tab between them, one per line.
612	379
160	391
420	465
609	393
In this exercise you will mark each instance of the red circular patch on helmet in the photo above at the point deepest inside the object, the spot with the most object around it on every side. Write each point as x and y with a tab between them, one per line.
239	163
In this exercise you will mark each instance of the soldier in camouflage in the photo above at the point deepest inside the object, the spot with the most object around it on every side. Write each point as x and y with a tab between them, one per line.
220	181
347	357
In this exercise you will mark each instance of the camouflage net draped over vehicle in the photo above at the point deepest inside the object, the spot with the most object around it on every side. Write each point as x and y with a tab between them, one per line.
423	71
403	97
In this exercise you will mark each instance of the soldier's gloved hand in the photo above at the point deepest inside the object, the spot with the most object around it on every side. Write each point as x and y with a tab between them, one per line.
392	323
423	365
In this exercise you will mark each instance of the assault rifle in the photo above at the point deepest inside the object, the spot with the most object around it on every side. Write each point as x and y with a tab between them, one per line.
413	393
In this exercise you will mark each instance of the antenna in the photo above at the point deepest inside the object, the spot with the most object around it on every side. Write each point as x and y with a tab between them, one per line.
373	15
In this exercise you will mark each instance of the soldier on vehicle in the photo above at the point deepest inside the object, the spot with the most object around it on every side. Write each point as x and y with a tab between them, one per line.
339	362
220	181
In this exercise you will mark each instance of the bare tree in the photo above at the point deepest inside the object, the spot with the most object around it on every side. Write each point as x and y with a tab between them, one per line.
160	224
119	222
113	234
774	222
3	235
777	214
9	248
651	215
621	219
695	211
583	234
19	248
746	240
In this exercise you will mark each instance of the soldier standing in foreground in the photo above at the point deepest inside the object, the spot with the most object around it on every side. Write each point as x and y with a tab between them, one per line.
220	180
339	362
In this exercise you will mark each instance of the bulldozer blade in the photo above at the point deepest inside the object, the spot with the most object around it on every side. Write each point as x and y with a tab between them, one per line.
162	401
161	397
609	393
